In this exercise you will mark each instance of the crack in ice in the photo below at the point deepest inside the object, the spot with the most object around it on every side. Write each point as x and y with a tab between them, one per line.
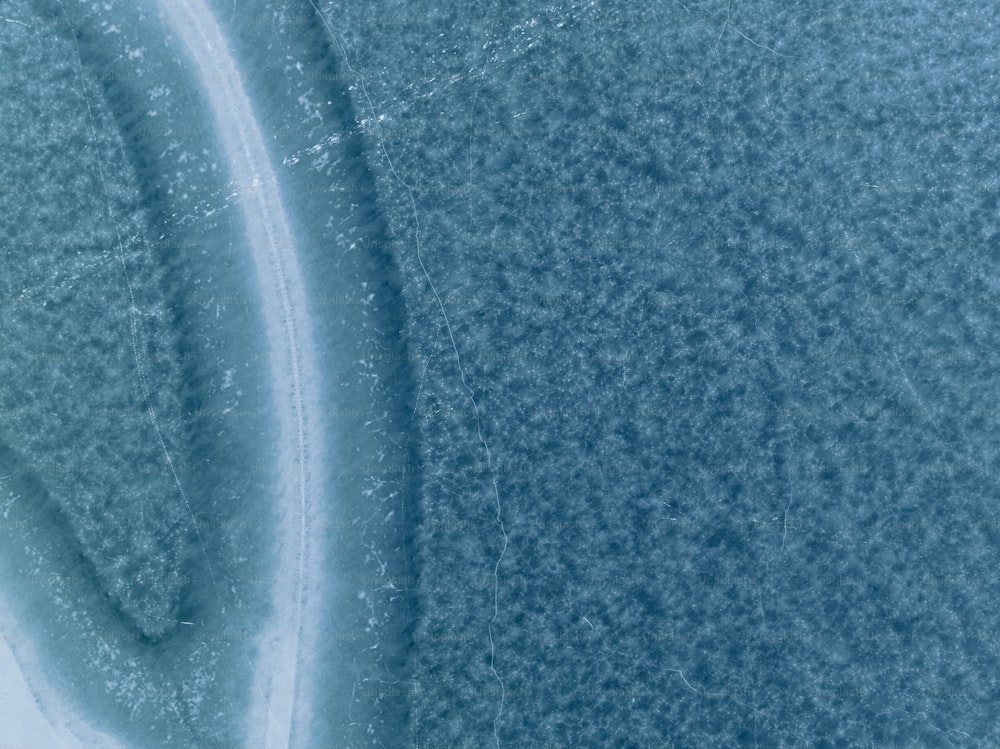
461	371
143	383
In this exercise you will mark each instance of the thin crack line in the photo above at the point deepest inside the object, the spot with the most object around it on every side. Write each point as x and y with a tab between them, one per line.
132	313
458	360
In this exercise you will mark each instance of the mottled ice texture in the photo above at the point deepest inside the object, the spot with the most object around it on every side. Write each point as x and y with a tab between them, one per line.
723	279
90	375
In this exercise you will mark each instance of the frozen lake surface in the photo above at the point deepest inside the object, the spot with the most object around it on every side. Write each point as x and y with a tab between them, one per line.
282	694
514	375
175	517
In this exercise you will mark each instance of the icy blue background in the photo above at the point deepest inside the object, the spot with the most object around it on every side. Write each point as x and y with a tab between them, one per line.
723	279
659	343
146	593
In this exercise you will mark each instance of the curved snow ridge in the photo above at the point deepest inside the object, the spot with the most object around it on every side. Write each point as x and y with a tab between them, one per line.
34	712
282	700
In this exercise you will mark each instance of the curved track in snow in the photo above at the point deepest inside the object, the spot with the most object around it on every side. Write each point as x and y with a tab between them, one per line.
282	700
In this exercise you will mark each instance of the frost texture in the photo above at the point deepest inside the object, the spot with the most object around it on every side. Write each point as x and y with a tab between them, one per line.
89	371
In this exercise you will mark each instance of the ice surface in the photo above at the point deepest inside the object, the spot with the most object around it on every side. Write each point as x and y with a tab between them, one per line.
689	419
128	504
33	713
87	325
723	278
175	458
282	690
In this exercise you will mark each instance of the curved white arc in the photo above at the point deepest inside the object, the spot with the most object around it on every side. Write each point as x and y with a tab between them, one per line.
281	699
34	711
